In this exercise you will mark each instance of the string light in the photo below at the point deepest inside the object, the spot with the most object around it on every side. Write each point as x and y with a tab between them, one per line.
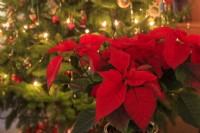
35	83
151	23
6	25
136	21
87	31
116	23
68	20
104	24
0	31
46	35
25	26
5	76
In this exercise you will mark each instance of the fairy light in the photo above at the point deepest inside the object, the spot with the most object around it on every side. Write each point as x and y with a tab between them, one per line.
68	20
104	24
46	35
116	23
6	25
5	76
136	21
87	31
1	31
35	83
25	26
151	23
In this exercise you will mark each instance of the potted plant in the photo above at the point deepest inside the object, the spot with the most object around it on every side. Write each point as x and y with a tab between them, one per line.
132	79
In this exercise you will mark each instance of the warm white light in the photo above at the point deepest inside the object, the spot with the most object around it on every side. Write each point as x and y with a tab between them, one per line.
35	83
151	23
0	31
6	25
104	24
68	20
25	26
136	21
5	76
116	23
46	35
87	31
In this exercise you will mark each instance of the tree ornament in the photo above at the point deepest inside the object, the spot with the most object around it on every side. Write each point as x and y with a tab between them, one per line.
84	18
168	2
71	26
16	78
51	4
55	19
154	10
32	15
10	41
27	63
123	3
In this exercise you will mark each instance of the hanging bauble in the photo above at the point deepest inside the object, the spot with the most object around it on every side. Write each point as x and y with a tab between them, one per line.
10	41
154	10
123	3
83	24
51	4
16	78
168	2
32	15
27	63
55	19
71	26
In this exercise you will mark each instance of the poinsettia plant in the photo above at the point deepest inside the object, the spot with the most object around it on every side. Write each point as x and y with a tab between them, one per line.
129	76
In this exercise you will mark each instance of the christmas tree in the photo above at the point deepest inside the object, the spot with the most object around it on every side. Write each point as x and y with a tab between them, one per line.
30	28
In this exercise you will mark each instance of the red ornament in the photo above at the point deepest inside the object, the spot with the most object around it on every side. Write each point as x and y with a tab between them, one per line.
168	2
71	26
34	19
16	79
10	41
55	19
67	73
84	18
82	24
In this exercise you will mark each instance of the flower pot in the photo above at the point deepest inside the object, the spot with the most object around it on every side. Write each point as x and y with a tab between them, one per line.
152	128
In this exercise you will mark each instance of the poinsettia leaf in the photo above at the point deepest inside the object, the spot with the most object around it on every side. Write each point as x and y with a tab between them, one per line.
67	45
84	121
52	69
155	87
92	41
189	75
188	107
119	119
112	92
79	84
163	33
175	53
120	60
195	56
136	78
140	103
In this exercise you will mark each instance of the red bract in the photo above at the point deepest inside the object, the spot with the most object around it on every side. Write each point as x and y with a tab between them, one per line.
113	89
53	69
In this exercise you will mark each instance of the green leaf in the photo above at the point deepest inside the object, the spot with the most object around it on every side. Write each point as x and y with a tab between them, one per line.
189	75
119	119
78	84
84	121
188	107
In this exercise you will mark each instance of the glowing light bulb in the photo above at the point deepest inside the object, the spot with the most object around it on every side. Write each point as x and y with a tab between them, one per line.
25	26
116	23
151	23
104	24
6	25
46	35
136	21
5	76
68	20
87	31
0	31
35	83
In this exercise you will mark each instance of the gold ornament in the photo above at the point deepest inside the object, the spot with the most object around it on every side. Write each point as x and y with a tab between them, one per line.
154	11
123	3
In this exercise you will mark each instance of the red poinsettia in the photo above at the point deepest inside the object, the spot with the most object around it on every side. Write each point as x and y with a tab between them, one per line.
88	45
113	90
